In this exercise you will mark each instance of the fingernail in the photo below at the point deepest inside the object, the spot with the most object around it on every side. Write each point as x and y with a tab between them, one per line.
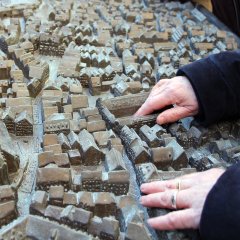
142	188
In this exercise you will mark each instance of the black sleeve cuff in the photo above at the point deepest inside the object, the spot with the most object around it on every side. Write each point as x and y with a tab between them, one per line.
220	218
209	89
216	82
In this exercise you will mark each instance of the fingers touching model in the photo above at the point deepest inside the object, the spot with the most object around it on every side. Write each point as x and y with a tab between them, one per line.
177	91
186	194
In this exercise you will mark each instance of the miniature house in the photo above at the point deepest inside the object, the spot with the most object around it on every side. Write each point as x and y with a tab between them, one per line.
24	124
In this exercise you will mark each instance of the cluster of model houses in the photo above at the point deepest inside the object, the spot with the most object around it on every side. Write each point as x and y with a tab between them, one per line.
204	38
139	33
9	164
148	143
23	76
100	214
18	10
62	115
62	151
8	152
18	116
19	124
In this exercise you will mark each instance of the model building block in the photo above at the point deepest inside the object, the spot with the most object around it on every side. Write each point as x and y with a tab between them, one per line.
53	176
90	152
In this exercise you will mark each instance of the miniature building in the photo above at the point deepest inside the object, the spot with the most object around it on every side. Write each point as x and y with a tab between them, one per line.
8	212
79	101
35	226
56	195
40	70
90	152
8	149
114	161
118	176
77	217
63	141
95	86
135	227
51	45
105	204
53	176
102	137
147	172
9	120
202	162
53	213
4	71
162	157
35	86
24	124
50	139
57	123
180	159
137	150
74	140
91	181
86	201
119	106
74	157
149	136
39	203
4	177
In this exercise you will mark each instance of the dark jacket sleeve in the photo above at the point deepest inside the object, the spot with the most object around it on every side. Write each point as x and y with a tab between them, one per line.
220	218
228	12
216	82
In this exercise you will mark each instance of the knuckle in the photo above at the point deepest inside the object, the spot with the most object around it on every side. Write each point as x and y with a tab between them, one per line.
150	103
164	199
171	88
172	93
171	220
171	185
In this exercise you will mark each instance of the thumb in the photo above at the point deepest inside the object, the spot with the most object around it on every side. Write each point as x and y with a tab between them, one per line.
173	114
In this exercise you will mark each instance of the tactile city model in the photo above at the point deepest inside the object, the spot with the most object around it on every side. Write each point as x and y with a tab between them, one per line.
72	75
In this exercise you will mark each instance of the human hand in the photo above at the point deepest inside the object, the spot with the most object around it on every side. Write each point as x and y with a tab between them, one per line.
190	199
177	91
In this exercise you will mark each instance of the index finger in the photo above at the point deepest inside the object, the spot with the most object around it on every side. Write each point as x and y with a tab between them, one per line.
154	103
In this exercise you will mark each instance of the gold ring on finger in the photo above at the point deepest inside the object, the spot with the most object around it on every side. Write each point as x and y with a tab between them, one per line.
178	185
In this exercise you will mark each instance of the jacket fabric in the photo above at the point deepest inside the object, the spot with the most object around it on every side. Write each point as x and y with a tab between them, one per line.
228	11
216	82
221	212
